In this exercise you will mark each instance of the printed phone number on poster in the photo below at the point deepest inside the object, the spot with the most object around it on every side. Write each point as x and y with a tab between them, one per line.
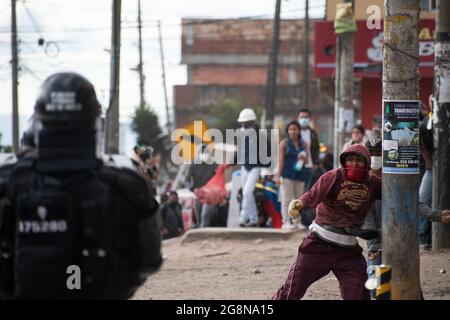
403	163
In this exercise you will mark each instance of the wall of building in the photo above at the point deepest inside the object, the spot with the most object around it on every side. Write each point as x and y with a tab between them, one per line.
254	32
236	52
242	75
229	58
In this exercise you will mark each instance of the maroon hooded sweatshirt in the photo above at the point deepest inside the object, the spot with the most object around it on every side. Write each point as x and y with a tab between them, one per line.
339	201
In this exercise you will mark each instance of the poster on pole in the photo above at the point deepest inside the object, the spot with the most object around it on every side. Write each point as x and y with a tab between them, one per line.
401	136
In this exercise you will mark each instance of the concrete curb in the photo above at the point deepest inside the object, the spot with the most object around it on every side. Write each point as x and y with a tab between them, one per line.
238	234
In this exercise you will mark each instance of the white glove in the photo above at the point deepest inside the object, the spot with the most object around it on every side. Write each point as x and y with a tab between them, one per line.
295	206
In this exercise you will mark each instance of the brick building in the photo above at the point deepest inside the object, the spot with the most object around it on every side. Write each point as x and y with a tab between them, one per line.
228	58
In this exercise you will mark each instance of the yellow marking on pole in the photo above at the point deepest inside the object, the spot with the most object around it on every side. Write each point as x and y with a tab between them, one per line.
383	275
383	289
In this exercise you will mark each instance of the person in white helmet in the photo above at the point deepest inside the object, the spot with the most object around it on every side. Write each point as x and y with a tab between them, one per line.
249	157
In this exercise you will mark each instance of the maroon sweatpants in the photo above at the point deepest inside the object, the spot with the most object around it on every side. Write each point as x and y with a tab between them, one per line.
315	259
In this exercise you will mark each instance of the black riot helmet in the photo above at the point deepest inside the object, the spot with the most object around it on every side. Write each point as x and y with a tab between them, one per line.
67	116
69	99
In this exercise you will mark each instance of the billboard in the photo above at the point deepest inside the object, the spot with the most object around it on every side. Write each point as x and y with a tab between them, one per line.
368	49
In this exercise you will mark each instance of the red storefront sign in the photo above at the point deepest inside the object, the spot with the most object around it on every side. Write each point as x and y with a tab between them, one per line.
368	49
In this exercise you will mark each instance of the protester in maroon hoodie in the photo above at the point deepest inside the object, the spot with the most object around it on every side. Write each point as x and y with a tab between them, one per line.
342	198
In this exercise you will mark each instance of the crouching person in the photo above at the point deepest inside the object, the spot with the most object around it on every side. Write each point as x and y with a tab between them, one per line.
342	198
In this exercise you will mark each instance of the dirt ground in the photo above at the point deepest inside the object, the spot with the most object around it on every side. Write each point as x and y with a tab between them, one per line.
254	269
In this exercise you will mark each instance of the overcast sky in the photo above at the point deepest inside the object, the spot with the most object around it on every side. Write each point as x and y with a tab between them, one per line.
81	30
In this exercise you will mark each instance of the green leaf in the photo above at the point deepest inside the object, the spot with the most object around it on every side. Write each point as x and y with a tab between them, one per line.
145	123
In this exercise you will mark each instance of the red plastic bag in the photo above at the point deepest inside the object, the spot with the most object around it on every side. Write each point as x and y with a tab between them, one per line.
213	192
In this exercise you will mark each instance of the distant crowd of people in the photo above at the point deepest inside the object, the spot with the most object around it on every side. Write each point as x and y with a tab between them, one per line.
336	205
265	194
59	176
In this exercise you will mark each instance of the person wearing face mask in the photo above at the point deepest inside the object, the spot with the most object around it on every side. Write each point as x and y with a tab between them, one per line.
309	135
342	198
199	173
140	157
250	141
358	136
373	219
311	139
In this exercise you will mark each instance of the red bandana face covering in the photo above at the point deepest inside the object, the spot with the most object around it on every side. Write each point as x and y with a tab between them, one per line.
355	173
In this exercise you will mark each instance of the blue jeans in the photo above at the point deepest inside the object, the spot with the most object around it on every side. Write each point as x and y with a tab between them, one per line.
425	196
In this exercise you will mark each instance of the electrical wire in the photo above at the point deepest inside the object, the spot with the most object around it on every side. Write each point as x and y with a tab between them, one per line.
132	25
32	73
4	8
149	23
33	20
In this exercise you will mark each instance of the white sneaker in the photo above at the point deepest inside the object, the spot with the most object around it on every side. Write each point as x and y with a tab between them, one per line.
302	227
288	226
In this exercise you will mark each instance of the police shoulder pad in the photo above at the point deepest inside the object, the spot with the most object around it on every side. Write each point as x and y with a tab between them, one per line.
118	161
126	178
7	164
7	159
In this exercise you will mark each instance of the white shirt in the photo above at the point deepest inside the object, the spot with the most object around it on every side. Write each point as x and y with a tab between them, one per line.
306	137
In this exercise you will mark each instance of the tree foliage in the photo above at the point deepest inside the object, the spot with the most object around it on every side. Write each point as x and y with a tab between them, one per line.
146	125
225	112
5	149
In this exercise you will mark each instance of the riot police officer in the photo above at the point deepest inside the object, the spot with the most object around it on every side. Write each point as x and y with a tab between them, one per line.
73	226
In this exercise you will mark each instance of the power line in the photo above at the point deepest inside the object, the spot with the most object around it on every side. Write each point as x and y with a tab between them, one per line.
33	21
4	8
87	8
32	73
201	21
131	26
251	17
58	60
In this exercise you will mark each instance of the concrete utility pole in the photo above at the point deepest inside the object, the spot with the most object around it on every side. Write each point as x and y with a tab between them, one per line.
343	106
112	114
163	68
271	86
140	66
400	191
305	96
441	127
14	73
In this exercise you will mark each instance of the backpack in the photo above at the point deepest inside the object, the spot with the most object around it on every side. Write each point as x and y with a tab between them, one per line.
100	223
